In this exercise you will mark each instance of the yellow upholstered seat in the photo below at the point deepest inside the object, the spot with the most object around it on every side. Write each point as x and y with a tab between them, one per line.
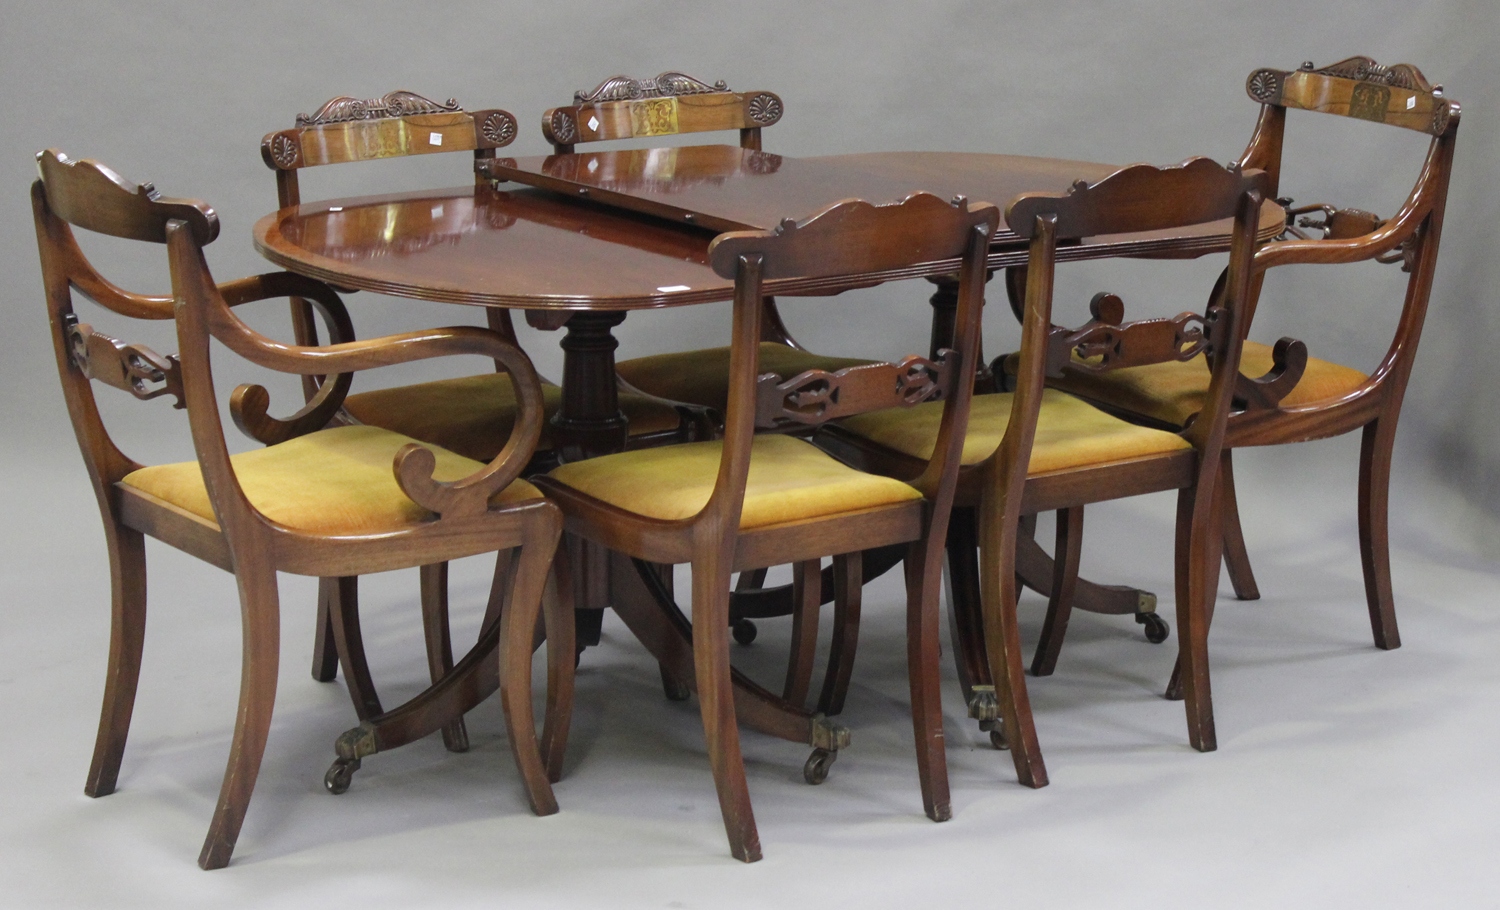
473	415
1174	391
1070	433
702	377
789	480
334	481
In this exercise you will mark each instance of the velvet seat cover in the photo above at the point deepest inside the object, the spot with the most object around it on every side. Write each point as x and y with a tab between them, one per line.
1174	391
789	480
1070	433
334	481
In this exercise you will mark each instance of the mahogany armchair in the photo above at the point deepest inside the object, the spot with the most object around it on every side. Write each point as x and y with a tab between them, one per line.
317	500
1038	449
751	500
470	415
1295	397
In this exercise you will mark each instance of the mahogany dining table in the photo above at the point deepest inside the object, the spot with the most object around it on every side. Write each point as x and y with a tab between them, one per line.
577	241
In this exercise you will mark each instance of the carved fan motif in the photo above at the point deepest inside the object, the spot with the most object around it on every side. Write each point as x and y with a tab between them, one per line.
1264	85
499	128
563	128
285	152
765	109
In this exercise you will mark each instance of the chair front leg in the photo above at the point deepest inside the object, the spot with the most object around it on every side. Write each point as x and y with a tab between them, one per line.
716	702
1374	534
924	578
127	636
1197	574
998	594
261	623
517	637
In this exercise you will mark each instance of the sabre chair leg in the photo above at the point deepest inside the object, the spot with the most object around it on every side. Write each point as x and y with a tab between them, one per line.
127	636
1198	556
260	619
517	636
848	593
343	610
1374	539
562	657
1003	646
807	590
924	575
325	664
716	702
1236	558
439	639
1064	581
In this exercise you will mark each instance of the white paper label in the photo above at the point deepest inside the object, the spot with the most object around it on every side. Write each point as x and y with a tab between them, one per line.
434	138
1411	102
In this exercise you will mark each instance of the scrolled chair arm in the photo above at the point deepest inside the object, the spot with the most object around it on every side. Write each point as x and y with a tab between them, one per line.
1385	238
250	404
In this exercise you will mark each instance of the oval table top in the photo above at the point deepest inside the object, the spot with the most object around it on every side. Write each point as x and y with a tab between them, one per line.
629	243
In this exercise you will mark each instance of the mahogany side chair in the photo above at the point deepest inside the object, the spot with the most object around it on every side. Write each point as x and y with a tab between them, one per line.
621	108
470	415
1038	449
750	500
1297	397
320	500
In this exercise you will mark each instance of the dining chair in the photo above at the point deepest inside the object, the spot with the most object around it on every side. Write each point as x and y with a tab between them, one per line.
320	500
472	415
1038	449
1295	397
750	500
622	108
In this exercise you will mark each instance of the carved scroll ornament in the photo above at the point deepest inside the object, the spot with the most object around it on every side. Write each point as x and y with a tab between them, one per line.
1108	343
666	85
134	368
816	396
395	104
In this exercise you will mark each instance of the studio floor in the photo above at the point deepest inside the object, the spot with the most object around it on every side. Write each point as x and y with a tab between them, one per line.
1345	776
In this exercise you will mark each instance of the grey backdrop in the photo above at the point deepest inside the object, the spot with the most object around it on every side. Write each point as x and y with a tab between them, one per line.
180	93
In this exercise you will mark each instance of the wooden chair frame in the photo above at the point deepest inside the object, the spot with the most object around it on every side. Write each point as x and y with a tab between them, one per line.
242	540
854	239
1003	488
1399	96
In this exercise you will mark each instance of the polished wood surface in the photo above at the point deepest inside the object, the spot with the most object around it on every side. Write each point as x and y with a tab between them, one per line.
531	249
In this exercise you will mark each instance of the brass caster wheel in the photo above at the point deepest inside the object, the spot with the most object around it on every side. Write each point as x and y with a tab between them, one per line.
998	740
744	631
340	774
1156	630
818	763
